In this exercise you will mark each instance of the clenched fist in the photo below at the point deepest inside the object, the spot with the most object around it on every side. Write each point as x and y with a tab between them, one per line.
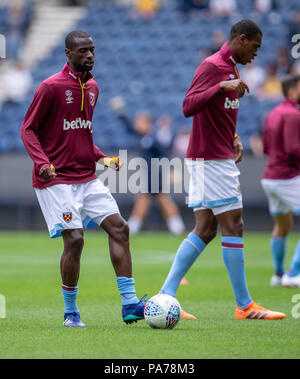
235	85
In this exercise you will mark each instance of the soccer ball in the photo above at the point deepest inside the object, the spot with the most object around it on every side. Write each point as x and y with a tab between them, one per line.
162	312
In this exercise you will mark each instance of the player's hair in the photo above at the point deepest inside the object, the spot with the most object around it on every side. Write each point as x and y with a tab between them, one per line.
70	38
247	27
290	81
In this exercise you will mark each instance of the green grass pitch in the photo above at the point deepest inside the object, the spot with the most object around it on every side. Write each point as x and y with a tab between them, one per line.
30	282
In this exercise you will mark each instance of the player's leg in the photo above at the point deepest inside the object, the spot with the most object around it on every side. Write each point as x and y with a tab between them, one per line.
70	259
231	223
70	269
118	235
170	213
100	208
139	212
283	198
292	277
190	249
282	226
59	207
289	191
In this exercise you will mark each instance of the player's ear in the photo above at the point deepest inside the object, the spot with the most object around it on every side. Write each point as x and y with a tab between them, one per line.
243	39
67	52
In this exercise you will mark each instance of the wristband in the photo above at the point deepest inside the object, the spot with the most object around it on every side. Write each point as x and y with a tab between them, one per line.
107	161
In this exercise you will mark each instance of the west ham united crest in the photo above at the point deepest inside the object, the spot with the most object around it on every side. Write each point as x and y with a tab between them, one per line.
92	99
67	216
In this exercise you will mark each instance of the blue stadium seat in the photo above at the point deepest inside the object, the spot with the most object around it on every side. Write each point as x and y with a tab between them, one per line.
151	64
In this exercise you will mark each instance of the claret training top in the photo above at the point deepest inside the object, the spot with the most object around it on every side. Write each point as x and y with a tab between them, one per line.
281	139
57	129
215	111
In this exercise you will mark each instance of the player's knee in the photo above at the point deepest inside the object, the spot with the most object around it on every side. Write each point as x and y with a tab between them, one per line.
240	226
236	228
207	235
74	242
120	231
211	234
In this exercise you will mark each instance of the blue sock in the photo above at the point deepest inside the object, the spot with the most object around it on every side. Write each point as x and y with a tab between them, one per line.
70	296
186	255
233	256
295	265
278	248
127	290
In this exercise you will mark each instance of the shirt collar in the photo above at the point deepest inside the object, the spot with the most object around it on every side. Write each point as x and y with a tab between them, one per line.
228	55
67	70
287	101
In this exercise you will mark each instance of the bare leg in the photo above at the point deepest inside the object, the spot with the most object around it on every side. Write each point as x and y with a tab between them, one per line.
282	225
206	225
70	268
231	223
118	238
70	260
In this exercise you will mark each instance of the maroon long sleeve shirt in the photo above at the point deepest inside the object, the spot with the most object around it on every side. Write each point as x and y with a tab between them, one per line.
281	140
57	129
214	111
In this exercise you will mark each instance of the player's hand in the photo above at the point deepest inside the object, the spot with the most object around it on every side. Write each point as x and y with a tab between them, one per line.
235	85
238	149
48	172
111	162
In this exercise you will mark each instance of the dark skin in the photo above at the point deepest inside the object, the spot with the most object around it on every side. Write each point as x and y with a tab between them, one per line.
81	59
245	50
231	222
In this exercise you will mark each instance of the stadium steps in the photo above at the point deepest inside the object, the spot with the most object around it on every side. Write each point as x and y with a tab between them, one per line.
52	21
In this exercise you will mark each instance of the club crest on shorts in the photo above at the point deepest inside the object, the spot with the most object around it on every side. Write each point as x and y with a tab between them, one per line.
67	216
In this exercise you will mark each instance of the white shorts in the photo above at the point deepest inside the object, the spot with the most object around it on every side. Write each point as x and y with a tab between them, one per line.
75	206
283	195
214	185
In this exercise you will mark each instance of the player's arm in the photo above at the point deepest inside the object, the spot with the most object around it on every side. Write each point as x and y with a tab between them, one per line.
33	120
291	135
112	162
238	148
265	138
205	85
100	157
